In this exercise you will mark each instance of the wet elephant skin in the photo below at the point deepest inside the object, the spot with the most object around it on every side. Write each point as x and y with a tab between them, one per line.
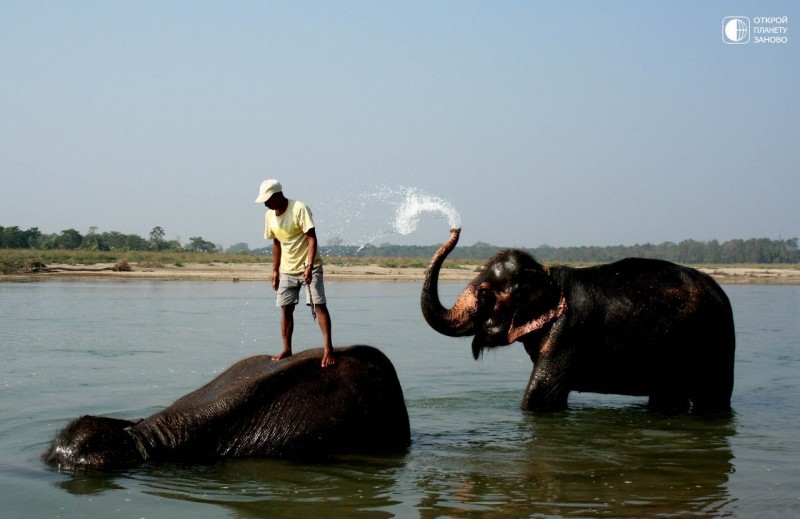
257	408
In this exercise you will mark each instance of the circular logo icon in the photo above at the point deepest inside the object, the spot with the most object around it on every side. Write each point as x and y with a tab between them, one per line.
735	29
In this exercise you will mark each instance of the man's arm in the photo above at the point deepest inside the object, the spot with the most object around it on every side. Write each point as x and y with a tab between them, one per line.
311	235
276	263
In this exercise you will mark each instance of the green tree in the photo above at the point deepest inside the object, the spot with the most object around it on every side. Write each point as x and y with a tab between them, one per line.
13	238
69	239
157	238
93	241
238	247
198	244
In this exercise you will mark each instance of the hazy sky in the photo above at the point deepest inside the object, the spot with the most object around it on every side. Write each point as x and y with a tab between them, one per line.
561	123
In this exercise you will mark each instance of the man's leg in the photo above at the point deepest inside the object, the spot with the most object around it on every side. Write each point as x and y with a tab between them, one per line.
324	319
287	329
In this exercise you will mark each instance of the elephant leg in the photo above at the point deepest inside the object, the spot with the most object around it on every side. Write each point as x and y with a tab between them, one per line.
668	383
548	387
711	388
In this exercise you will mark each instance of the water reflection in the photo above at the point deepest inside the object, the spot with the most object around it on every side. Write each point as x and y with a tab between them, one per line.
340	486
591	461
88	484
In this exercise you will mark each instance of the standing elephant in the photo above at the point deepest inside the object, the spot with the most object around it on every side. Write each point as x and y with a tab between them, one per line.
257	408
633	327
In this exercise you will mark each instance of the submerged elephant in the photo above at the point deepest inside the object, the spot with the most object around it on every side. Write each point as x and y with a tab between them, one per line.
633	327
257	408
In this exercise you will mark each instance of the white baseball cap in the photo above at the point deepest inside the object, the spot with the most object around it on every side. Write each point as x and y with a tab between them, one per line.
267	189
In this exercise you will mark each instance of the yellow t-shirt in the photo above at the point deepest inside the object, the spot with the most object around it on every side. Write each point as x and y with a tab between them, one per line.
290	230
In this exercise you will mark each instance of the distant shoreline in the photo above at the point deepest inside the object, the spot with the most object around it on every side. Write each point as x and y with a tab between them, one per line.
236	272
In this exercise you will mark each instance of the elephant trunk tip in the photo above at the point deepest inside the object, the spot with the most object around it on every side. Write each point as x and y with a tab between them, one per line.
450	244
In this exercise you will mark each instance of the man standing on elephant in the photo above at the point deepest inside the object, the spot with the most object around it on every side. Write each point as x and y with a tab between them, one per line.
290	226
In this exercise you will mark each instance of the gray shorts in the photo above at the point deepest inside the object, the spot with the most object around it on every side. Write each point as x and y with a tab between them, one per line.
289	289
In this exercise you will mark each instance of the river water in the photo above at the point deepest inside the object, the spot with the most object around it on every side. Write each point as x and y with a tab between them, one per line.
128	349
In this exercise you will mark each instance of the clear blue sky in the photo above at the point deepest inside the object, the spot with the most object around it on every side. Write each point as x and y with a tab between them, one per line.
561	123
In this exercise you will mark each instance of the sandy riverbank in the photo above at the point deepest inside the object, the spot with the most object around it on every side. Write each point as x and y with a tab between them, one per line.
234	272
226	272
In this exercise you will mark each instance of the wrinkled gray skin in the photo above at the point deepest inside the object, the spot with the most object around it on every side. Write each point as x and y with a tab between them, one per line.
633	327
257	408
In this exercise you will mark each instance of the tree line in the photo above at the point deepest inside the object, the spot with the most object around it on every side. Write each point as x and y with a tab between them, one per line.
754	250
70	239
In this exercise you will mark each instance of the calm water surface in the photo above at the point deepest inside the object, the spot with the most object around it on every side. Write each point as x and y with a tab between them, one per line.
128	349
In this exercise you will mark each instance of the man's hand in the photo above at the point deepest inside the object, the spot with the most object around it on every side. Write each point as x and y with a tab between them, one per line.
276	277
307	275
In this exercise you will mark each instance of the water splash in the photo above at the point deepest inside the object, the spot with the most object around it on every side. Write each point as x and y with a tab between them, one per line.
366	217
415	203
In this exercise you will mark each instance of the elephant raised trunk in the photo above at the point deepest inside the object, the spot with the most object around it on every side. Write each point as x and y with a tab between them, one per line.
458	321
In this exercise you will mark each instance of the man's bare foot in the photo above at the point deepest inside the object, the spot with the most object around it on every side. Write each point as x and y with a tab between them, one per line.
327	359
282	355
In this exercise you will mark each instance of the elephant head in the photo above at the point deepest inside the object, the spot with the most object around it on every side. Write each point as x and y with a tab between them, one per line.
94	442
512	297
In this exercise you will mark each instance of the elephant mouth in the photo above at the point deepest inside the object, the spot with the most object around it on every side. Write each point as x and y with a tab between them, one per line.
478	345
491	337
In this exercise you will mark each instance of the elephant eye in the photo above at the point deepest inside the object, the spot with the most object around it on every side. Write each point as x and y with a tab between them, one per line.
485	297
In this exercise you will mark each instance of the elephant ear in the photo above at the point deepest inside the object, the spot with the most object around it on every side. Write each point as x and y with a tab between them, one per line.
539	301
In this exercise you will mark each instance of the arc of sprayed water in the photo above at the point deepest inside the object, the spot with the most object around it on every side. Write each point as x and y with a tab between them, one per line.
415	203
371	239
409	204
